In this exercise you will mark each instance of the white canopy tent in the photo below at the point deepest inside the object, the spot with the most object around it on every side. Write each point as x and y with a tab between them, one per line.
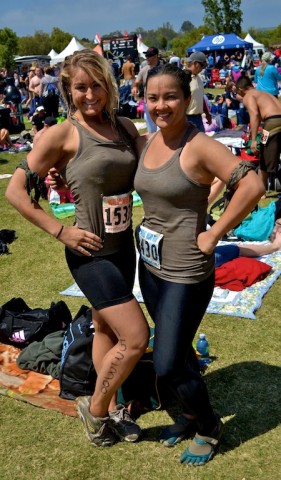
141	47
256	45
52	53
72	47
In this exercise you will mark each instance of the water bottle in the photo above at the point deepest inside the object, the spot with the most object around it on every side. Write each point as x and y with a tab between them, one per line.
202	347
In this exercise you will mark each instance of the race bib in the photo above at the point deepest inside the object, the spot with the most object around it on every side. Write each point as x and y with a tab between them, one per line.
264	137
149	246
117	212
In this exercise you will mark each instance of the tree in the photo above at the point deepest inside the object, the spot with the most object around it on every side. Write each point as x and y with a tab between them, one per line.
163	42
186	27
8	48
117	33
223	16
59	39
180	43
38	44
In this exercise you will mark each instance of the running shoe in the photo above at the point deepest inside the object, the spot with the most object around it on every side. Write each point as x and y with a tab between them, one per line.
98	430
124	425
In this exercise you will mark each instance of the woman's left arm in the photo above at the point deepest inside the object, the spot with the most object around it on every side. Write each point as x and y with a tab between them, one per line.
246	196
218	161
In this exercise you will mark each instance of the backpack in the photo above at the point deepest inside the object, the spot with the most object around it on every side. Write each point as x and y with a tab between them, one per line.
20	325
78	377
77	374
51	90
257	226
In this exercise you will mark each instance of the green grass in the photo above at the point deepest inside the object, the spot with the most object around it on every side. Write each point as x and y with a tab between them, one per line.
244	384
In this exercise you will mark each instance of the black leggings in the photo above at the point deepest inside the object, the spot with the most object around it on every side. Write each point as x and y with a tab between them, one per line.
177	310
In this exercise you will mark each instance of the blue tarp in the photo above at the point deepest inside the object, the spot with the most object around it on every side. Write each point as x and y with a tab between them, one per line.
223	41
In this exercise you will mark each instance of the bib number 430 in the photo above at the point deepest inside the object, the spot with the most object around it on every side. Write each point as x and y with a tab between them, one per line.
149	246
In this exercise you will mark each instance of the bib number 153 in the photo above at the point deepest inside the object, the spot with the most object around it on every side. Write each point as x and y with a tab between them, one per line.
117	212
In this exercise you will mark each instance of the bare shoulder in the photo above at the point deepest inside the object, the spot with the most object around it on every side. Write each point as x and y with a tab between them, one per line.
251	96
56	147
63	129
204	158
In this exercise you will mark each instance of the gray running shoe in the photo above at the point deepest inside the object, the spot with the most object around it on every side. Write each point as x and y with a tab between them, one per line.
98	430
123	424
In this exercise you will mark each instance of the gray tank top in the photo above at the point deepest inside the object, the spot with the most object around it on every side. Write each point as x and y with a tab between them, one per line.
175	207
100	177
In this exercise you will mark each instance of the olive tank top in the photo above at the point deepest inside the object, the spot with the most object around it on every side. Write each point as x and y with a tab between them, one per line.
100	177
174	206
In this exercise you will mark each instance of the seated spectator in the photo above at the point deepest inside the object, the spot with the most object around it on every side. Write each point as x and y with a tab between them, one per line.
38	118
234	103
224	74
47	123
5	138
236	71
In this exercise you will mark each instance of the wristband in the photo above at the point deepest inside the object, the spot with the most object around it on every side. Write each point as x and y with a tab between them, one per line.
59	232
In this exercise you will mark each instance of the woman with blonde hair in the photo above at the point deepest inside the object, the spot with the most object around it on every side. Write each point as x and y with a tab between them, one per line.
94	151
267	75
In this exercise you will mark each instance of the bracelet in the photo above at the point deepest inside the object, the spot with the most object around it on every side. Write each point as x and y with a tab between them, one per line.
59	232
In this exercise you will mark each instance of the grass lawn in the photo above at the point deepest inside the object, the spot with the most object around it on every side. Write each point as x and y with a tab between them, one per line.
244	384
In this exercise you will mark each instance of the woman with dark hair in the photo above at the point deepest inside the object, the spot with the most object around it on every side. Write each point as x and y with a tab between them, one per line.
176	169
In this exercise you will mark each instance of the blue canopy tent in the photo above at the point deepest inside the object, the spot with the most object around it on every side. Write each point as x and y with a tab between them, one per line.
227	41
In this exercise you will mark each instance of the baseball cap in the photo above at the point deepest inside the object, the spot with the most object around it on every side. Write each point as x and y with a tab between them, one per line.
40	109
267	57
151	51
197	57
50	121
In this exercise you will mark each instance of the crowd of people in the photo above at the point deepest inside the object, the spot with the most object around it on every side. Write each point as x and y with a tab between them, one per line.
101	158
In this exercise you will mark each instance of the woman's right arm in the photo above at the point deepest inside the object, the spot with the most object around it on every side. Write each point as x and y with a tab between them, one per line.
40	160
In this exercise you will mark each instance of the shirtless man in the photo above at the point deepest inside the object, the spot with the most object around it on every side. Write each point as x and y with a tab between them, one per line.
35	90
263	107
128	71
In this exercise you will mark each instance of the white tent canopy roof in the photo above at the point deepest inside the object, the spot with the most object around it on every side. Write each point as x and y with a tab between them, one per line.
141	47
52	53
250	39
72	47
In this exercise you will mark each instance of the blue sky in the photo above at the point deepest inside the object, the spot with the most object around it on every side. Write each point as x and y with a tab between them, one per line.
85	18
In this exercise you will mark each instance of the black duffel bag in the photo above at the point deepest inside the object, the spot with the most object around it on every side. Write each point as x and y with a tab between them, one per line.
20	325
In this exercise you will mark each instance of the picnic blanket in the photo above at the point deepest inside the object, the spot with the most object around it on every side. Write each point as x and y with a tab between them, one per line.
30	387
225	302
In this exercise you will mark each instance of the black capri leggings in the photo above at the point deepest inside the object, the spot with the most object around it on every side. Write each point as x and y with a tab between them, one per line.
105	281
